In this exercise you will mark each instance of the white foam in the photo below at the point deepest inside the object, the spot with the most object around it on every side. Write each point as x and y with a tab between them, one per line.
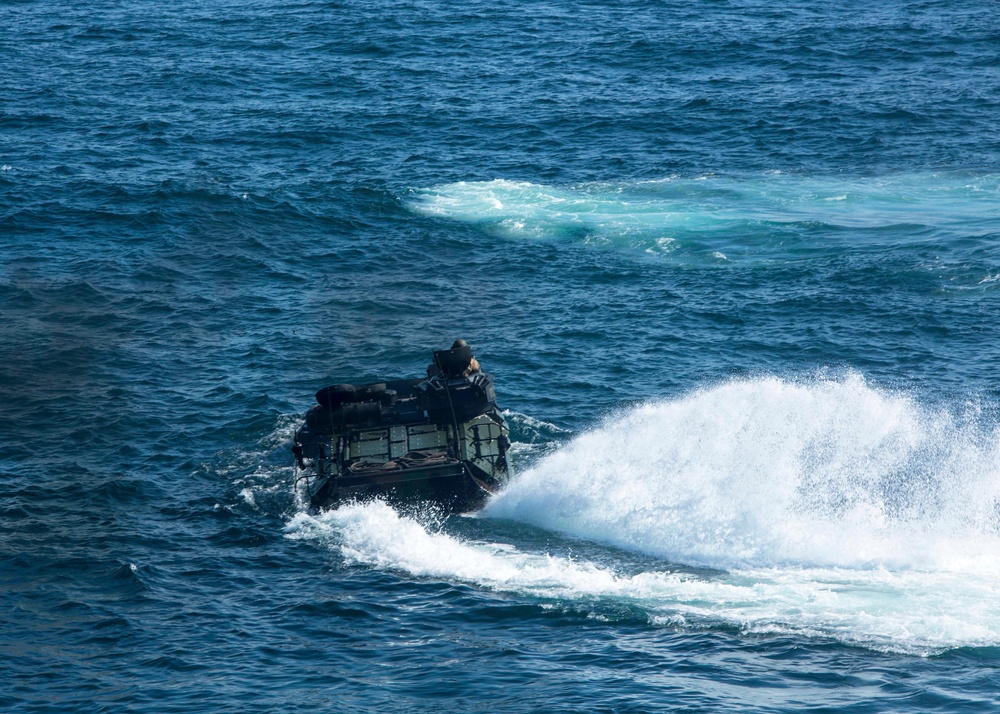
375	534
535	427
249	497
656	215
263	471
907	612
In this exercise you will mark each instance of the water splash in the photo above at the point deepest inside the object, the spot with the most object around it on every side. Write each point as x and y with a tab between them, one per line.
829	509
765	472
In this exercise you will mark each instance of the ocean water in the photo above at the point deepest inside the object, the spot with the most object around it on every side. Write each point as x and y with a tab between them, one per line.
734	265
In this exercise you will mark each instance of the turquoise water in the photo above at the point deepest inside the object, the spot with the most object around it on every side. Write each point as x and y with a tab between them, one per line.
734	267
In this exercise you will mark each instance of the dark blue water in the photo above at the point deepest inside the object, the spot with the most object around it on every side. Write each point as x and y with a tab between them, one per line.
735	267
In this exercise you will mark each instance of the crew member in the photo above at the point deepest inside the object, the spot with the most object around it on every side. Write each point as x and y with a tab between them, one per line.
473	364
473	367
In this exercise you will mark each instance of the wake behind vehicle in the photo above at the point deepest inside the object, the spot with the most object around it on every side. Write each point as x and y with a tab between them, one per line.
440	439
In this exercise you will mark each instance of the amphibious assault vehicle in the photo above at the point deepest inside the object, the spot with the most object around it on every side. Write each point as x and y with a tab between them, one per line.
440	439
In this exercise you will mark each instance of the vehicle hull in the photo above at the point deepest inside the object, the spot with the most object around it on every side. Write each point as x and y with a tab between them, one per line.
440	440
451	486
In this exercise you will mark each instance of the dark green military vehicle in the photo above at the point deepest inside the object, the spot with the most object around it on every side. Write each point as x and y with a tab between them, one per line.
439	439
